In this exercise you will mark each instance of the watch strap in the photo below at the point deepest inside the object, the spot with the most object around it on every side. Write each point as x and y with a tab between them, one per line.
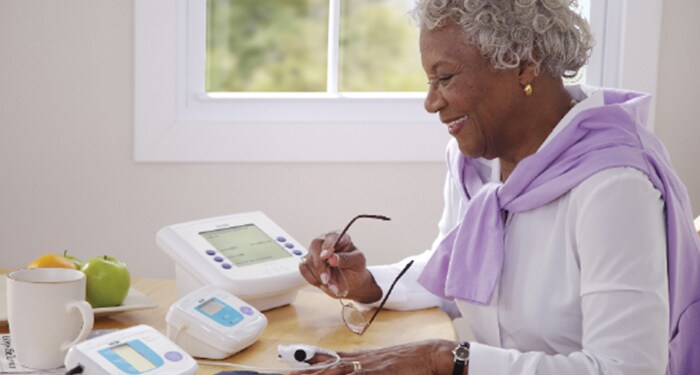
461	358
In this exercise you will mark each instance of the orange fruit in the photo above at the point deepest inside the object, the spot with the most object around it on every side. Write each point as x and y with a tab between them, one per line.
52	261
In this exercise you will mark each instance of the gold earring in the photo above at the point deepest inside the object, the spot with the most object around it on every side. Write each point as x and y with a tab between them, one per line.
527	89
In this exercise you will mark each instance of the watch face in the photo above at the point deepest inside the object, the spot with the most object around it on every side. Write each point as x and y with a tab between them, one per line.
461	352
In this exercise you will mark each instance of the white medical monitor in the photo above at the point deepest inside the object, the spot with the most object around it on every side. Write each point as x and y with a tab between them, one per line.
246	253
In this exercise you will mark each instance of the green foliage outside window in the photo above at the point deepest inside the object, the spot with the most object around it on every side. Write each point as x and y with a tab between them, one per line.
379	47
282	46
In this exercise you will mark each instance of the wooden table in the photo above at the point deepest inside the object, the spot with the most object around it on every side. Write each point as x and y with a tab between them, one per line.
312	319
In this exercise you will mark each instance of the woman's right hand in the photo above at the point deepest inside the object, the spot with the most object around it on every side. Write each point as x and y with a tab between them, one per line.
338	268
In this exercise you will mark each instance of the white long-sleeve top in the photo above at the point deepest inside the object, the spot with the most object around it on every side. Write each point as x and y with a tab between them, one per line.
583	289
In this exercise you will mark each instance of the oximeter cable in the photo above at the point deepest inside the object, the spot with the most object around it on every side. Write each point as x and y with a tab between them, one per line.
184	326
254	368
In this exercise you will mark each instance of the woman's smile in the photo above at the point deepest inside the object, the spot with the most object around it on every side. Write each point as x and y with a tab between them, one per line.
455	126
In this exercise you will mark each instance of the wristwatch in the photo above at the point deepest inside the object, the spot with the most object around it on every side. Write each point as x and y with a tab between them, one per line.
461	353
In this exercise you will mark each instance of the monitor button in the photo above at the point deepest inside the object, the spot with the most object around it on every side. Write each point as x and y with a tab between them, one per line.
173	356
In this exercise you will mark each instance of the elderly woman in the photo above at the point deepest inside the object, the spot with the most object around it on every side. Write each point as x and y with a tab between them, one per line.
566	239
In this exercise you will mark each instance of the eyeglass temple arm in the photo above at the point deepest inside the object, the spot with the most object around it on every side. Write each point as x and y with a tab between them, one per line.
380	217
386	297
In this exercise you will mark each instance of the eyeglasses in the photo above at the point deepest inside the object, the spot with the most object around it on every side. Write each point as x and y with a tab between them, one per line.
355	320
340	288
352	317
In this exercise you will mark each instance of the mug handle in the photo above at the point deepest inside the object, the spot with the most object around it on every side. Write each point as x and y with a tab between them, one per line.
88	321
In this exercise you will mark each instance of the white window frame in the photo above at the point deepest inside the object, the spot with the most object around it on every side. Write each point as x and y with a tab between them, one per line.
175	121
627	53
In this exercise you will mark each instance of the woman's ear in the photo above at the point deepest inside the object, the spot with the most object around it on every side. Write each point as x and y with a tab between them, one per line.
529	69
527	73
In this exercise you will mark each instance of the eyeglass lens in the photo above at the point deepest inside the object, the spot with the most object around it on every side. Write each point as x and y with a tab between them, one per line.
353	318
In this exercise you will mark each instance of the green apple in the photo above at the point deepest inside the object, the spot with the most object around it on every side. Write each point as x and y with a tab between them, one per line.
108	281
78	263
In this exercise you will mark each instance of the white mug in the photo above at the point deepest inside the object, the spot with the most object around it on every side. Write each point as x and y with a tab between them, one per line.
47	314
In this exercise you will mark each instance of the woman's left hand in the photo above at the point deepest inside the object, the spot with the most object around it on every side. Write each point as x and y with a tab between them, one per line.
424	357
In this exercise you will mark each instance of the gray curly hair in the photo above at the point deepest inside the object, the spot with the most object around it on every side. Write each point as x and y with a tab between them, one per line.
549	33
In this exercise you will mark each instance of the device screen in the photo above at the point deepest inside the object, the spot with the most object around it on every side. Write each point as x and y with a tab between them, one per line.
245	245
211	307
134	358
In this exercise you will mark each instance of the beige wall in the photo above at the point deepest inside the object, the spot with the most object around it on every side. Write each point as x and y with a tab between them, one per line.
68	180
678	111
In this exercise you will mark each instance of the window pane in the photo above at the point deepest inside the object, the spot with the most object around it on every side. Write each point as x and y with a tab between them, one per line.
379	47
266	45
584	8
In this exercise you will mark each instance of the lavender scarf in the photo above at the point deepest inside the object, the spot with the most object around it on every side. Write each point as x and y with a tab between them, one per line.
467	263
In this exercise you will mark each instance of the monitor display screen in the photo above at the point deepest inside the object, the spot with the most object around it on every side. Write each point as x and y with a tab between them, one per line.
245	245
134	358
211	307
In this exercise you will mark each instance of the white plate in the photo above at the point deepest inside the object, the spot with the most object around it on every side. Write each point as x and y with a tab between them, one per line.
135	300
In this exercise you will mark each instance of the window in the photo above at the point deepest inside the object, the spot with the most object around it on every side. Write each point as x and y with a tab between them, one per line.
316	46
183	112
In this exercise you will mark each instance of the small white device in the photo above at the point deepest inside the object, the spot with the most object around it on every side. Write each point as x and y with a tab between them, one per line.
213	323
135	350
246	253
299	356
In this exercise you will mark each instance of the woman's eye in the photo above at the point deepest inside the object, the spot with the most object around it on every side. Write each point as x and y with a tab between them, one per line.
441	80
445	79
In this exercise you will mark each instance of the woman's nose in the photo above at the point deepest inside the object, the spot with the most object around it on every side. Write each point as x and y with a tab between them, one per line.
433	101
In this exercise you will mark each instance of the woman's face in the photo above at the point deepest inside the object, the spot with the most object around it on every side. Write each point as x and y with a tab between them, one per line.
475	101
